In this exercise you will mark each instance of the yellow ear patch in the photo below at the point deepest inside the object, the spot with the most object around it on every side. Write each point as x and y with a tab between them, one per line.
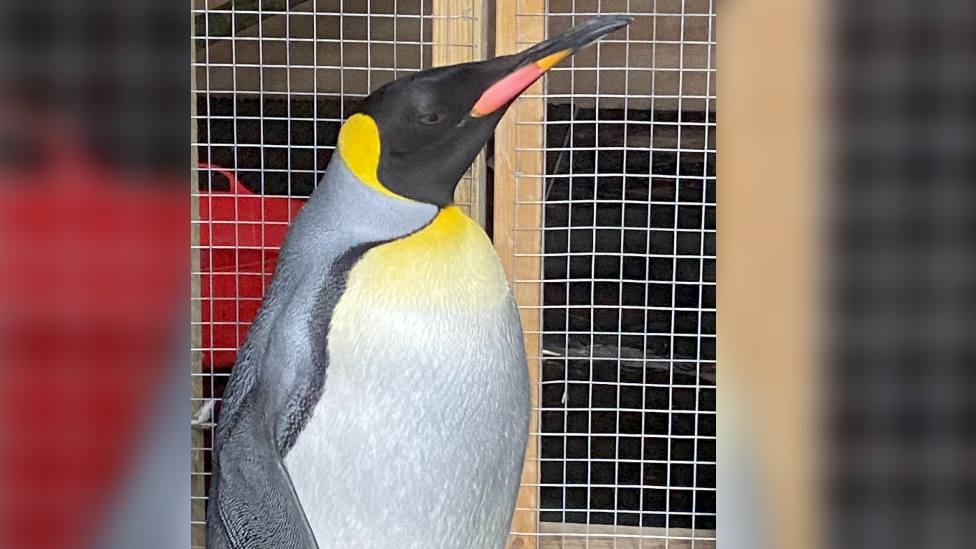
359	147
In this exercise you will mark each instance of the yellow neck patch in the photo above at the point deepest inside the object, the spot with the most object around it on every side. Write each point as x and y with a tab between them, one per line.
449	265
359	147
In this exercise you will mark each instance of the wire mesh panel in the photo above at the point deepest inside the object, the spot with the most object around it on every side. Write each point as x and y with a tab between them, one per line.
273	81
604	219
605	186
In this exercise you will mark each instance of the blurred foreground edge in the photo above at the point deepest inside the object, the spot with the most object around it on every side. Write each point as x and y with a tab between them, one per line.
93	300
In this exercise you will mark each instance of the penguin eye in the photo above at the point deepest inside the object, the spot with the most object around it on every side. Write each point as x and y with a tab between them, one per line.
429	118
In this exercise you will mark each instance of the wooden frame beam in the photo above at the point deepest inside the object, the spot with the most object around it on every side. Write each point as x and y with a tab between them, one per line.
518	230
458	35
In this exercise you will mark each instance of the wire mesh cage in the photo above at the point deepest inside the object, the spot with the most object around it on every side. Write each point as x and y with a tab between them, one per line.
607	173
603	190
273	80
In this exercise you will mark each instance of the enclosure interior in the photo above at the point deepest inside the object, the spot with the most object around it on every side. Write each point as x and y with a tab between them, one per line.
625	242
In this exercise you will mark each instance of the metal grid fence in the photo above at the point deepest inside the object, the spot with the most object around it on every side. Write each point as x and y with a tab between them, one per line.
273	80
621	253
617	237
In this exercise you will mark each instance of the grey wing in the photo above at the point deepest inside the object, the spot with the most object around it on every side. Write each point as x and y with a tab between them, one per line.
253	504
305	393
252	501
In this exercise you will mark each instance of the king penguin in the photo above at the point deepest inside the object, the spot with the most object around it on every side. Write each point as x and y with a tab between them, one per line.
381	397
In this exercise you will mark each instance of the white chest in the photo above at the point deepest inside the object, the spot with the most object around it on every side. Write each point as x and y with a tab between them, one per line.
419	436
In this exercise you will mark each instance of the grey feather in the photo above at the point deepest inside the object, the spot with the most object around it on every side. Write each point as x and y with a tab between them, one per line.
278	378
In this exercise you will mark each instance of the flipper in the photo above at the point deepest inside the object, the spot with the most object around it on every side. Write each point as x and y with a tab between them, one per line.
254	505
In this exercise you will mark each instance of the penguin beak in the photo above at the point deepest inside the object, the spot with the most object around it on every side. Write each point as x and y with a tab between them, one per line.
532	63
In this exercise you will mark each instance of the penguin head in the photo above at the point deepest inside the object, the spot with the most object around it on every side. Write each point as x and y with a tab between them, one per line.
414	137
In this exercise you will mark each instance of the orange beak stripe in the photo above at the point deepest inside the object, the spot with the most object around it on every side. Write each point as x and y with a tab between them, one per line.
511	86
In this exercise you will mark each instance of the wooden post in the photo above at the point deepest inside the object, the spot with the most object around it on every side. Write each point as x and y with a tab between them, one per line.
197	483
459	37
518	229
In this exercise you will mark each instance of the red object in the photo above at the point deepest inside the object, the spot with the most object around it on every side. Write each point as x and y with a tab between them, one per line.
240	236
92	302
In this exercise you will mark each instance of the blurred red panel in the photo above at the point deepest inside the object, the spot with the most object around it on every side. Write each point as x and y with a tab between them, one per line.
92	287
